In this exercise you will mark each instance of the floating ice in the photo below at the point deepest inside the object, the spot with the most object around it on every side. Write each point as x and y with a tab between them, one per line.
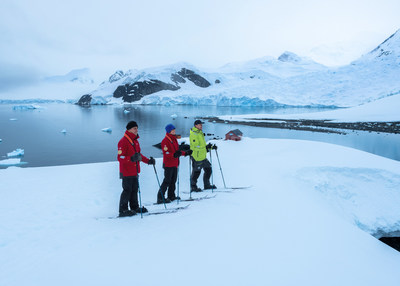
11	162
64	131
108	129
26	107
16	153
13	119
174	116
126	111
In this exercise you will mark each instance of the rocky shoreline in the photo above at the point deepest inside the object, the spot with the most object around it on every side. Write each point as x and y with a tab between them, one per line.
325	126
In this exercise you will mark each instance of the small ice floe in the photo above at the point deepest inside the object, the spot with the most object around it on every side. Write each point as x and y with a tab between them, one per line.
64	131
174	116
126	111
13	119
1	140
26	107
11	162
16	153
108	129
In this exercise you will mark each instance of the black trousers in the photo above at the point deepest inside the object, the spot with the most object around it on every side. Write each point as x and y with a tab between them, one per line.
170	176
130	187
197	166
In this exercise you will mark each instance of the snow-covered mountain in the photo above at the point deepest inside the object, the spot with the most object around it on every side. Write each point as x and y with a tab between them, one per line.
289	80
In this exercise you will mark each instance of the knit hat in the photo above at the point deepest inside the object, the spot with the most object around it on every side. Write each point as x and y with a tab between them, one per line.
131	124
169	128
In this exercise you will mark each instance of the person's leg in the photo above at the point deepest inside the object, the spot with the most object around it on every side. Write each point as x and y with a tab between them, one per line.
133	200
172	184
195	175
168	172
126	194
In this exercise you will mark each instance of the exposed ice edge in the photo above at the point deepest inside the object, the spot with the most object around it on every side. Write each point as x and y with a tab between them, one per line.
243	101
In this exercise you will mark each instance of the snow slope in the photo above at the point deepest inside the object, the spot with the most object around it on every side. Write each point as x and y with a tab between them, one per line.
305	220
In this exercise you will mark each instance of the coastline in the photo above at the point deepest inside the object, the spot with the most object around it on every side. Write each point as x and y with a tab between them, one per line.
325	126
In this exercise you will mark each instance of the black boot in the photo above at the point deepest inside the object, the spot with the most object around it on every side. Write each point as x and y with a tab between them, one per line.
195	189
141	210
209	187
127	213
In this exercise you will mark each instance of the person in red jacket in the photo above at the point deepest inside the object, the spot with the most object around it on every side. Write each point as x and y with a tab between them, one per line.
129	158
171	154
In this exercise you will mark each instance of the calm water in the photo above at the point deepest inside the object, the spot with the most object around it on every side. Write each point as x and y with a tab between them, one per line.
38	131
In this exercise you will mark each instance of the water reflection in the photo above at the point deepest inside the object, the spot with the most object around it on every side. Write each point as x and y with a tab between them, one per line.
39	131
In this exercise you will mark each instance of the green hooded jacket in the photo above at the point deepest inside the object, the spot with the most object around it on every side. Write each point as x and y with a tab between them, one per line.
197	144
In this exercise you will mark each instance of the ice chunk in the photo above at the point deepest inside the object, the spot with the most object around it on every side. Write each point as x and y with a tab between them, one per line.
16	153
11	162
26	107
126	111
64	131
13	119
108	129
174	116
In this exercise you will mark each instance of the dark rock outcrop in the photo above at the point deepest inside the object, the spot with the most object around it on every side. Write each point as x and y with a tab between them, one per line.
176	78
194	77
393	242
85	100
135	91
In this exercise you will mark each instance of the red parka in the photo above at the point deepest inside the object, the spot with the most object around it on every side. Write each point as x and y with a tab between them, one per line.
169	146
127	147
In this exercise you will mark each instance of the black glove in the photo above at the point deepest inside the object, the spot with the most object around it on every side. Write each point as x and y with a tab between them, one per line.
215	147
188	152
152	161
136	157
177	154
209	146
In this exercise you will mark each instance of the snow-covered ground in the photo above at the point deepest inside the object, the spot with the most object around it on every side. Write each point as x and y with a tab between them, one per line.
306	219
382	110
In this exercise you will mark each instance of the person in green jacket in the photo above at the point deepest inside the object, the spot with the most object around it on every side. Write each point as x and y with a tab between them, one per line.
199	157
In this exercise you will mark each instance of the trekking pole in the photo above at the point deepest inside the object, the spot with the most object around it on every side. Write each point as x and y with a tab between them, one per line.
216	152
190	176
177	201
212	175
159	186
140	196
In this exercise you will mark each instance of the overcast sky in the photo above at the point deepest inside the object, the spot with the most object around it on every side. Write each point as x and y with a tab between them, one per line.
47	37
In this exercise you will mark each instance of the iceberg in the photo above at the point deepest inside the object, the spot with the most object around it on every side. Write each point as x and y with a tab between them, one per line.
26	107
108	129
16	153
63	131
11	162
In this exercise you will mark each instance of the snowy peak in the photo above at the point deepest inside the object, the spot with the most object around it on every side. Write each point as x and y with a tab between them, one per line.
289	57
387	50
